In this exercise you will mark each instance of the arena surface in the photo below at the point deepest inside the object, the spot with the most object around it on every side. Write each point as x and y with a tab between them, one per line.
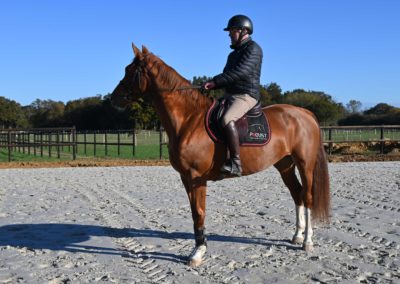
133	224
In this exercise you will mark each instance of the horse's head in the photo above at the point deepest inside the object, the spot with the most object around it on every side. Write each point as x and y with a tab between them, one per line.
135	83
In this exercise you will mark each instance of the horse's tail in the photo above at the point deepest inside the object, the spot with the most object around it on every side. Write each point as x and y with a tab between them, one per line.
320	188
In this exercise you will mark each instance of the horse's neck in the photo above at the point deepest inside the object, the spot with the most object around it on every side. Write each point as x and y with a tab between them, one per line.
173	104
175	109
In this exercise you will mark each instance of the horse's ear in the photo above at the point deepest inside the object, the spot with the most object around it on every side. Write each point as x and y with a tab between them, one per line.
136	50
144	49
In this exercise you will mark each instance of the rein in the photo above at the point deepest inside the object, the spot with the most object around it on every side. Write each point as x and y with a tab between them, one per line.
138	75
191	87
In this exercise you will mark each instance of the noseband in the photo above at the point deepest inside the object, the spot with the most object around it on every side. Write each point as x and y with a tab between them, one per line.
136	80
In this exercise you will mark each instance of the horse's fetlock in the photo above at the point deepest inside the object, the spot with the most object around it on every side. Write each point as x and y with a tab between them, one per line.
200	237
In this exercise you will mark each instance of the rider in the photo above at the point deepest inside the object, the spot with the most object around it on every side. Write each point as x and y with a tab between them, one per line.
241	80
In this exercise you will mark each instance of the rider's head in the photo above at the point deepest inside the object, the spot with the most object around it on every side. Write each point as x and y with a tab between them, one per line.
239	27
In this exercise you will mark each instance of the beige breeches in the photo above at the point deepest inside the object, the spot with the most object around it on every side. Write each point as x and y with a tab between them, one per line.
241	104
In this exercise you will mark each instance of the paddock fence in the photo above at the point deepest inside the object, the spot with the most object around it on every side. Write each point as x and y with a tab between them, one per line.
68	143
374	134
128	143
49	142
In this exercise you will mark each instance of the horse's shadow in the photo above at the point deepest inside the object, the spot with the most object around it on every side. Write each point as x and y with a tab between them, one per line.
72	238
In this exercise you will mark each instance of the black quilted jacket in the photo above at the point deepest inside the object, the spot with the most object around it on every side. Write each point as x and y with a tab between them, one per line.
242	71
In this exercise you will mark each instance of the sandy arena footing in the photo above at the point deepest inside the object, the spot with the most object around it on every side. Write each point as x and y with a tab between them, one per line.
133	224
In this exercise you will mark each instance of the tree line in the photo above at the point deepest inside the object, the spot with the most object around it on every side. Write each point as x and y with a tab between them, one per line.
97	112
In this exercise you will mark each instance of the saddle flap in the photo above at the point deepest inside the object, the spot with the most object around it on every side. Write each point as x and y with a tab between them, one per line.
253	128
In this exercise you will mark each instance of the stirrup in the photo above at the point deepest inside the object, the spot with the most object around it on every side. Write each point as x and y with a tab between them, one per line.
232	168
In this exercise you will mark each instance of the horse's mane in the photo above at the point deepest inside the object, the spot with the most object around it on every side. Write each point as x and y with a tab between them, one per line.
169	77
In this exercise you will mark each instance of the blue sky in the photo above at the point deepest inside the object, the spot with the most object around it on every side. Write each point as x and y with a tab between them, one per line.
69	49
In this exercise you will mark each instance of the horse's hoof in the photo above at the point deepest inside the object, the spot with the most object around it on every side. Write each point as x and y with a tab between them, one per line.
197	256
195	262
308	247
297	240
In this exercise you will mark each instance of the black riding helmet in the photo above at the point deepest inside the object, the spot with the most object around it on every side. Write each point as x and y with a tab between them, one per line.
240	21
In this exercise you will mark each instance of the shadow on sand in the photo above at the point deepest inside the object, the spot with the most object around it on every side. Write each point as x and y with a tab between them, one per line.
71	238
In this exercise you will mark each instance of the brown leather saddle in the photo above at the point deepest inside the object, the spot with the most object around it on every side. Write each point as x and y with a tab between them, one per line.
253	128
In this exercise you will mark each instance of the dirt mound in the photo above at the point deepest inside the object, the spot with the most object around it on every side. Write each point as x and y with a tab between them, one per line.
353	148
85	163
394	152
363	158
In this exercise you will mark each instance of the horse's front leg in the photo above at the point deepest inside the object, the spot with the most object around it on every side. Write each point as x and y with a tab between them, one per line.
196	191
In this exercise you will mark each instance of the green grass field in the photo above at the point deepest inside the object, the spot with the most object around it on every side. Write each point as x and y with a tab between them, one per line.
147	147
125	152
142	152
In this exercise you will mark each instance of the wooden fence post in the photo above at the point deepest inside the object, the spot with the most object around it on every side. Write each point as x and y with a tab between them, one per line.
62	140
34	143
41	144
58	144
9	145
23	142
105	143
330	139
118	142
84	142
50	138
74	144
134	138
29	143
94	141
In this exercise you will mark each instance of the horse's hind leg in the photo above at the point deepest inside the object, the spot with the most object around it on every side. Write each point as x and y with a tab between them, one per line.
286	168
306	173
298	237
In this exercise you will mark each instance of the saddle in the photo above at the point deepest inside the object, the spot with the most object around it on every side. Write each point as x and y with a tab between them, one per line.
253	127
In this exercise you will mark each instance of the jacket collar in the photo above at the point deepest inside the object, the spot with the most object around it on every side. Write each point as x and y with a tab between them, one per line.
242	43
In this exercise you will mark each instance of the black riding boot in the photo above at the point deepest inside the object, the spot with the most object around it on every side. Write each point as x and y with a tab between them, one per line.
233	165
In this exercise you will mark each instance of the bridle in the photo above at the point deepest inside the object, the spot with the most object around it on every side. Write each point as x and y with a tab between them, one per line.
138	74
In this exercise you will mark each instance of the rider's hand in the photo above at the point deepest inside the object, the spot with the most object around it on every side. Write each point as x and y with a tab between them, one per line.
209	85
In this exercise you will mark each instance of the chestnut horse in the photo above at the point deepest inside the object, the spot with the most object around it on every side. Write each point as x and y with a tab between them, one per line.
295	143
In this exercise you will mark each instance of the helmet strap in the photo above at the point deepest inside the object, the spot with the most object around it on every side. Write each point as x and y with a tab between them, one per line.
241	35
243	31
